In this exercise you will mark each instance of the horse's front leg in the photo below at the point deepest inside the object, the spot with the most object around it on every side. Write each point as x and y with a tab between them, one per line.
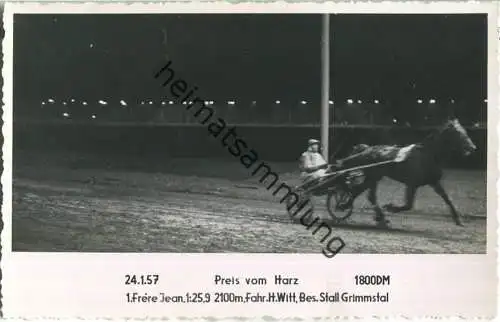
438	188
410	194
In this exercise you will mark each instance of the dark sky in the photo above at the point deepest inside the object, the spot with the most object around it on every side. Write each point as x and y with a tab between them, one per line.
250	57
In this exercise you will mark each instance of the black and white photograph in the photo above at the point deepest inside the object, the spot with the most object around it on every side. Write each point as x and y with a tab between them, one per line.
250	133
250	160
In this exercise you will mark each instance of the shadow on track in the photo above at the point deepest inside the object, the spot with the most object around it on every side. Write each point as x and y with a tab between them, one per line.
396	231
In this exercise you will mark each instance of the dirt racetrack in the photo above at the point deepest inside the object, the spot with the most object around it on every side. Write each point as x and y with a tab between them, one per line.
80	204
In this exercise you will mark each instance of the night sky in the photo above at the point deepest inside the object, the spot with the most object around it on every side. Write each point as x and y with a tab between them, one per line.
250	57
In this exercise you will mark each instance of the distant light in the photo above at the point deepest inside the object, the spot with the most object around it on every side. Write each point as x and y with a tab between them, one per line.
394	121
184	103
150	102
84	103
350	101
65	114
170	102
254	102
432	101
278	102
103	102
230	102
50	100
419	101
72	100
123	103
64	103
330	102
207	102
43	103
163	103
190	102
211	102
359	102
452	101
376	101
303	102
142	102
91	45
93	116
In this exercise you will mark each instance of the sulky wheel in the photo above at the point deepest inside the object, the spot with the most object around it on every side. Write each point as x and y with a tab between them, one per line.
339	205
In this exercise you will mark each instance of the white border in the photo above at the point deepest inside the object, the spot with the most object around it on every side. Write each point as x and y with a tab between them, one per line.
91	285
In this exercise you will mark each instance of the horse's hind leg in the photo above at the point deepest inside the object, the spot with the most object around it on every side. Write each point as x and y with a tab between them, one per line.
438	188
372	198
410	193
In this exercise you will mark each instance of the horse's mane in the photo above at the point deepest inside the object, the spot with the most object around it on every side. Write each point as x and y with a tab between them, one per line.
432	134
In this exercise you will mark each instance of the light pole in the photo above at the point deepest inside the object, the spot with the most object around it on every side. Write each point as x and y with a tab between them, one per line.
325	83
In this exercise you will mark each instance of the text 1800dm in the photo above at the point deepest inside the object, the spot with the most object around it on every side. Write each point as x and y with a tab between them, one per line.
248	297
372	279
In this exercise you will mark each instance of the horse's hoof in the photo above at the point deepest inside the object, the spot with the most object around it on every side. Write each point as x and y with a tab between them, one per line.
382	223
389	207
459	220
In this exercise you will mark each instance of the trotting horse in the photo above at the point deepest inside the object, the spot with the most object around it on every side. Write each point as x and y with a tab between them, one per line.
422	166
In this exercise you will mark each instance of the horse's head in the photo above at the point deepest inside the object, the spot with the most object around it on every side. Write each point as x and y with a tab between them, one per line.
457	136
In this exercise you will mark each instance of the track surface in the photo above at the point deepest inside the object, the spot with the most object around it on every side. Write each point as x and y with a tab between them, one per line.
199	207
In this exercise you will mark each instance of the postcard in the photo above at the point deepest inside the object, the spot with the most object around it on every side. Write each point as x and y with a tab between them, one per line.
284	160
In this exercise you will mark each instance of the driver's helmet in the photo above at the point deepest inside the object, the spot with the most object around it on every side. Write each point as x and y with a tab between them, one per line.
312	141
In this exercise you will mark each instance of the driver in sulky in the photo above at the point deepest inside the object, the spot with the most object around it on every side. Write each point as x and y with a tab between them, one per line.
312	164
